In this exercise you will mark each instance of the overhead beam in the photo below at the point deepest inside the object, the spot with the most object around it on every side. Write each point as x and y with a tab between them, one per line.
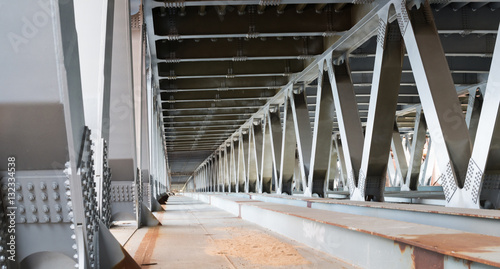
222	95
223	83
195	3
231	69
238	49
217	104
235	24
453	45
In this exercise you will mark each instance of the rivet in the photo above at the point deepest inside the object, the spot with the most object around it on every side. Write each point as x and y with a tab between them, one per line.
43	186
30	186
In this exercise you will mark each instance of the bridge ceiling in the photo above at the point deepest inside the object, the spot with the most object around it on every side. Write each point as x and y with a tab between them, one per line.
216	63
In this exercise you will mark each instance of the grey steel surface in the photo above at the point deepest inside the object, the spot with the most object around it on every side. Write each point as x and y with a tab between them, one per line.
402	245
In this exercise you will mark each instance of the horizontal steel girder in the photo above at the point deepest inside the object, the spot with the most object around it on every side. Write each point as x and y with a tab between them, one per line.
453	45
211	69
223	95
234	23
190	3
224	83
238	49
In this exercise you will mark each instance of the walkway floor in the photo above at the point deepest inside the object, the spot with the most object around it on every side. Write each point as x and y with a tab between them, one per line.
198	235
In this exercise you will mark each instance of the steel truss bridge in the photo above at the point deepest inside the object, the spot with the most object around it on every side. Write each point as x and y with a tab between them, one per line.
383	112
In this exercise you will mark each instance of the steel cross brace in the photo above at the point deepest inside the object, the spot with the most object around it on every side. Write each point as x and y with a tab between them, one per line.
275	136
303	134
381	111
417	147
266	171
349	122
321	136
482	178
288	148
256	151
438	97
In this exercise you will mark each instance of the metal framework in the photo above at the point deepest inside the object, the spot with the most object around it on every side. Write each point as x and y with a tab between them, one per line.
94	149
372	100
323	124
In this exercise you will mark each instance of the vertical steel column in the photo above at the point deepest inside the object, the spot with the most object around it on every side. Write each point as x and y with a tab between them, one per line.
288	146
381	111
95	45
54	179
346	109
122	138
438	96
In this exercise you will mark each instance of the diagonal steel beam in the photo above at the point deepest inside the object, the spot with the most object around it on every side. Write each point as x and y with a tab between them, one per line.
439	100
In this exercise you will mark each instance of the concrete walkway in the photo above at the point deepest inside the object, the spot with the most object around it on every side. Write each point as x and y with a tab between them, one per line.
197	235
